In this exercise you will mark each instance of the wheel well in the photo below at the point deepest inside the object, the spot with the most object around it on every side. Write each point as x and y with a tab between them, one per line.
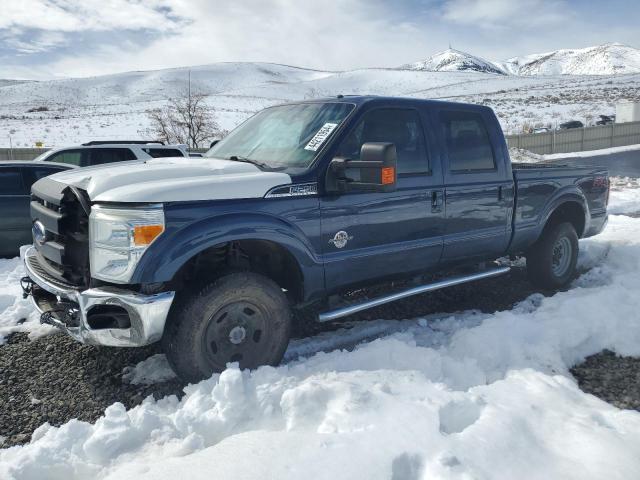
260	256
571	212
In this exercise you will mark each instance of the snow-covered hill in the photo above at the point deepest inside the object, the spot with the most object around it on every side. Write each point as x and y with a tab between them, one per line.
608	59
156	84
74	110
455	61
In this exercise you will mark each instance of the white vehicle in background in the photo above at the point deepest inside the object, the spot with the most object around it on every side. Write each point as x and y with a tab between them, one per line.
100	152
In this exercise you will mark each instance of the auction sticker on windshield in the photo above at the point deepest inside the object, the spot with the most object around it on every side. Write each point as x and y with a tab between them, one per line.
319	138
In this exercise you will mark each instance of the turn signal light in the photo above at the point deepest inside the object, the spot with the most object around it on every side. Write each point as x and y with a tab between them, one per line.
145	234
388	175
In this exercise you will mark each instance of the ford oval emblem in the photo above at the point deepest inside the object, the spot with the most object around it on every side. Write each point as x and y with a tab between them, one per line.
39	232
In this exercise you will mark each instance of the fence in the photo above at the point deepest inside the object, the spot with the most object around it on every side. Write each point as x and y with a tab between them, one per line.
578	139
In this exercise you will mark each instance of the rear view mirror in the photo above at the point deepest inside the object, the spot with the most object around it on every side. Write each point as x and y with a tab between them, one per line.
375	171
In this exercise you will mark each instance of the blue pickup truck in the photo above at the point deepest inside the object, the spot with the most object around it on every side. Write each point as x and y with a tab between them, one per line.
295	208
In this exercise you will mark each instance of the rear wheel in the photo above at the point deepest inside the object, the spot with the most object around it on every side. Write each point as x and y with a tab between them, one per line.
551	262
241	317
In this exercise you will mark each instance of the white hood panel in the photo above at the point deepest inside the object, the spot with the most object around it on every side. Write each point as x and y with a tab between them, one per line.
172	180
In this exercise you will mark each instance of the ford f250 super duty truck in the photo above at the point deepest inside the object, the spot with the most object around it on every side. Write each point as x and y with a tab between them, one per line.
300	204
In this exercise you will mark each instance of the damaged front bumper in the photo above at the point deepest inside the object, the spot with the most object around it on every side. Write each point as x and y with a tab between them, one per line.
107	316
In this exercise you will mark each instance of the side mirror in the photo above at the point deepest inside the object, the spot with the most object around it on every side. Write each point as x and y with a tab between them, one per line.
375	171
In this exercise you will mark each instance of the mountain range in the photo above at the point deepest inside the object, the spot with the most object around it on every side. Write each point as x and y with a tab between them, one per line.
607	59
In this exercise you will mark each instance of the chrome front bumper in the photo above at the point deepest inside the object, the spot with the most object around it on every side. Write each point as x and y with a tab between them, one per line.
147	313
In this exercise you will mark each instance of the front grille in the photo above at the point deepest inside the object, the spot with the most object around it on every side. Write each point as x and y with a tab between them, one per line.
64	253
36	266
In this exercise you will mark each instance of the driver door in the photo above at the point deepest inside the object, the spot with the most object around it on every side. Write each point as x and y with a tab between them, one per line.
368	236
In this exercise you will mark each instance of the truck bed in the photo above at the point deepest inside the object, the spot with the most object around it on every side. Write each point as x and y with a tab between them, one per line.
538	184
522	171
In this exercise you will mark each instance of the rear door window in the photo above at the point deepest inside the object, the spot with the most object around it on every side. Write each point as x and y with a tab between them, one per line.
71	157
100	156
11	182
33	174
163	152
467	141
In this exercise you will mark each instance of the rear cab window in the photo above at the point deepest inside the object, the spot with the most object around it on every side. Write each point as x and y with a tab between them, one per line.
467	141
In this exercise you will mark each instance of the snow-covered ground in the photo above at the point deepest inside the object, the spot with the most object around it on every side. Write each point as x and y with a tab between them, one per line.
525	156
462	396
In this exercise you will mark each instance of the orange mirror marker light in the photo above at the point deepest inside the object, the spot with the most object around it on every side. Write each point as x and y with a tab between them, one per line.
388	175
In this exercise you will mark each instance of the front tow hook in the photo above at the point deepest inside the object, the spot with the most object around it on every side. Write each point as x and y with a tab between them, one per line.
27	286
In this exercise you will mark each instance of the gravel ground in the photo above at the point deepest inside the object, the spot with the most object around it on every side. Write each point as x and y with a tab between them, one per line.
54	379
612	378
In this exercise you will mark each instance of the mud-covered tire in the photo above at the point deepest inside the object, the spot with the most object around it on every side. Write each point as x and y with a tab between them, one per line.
551	262
241	317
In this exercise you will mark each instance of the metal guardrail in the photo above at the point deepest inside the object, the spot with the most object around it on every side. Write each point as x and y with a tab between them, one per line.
578	139
21	153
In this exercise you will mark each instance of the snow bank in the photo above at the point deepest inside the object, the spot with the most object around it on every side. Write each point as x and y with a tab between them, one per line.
470	395
524	156
16	313
625	196
588	153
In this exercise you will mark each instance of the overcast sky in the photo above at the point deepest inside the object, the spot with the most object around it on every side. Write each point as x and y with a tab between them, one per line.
58	38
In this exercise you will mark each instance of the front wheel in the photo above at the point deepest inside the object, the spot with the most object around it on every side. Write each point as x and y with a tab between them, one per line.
242	317
551	262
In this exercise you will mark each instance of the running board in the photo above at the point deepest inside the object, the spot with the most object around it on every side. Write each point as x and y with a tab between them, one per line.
429	287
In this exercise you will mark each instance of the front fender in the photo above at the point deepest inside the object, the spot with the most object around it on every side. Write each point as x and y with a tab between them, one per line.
183	240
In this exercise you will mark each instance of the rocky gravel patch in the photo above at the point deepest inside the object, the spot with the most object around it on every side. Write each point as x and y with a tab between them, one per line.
612	378
54	379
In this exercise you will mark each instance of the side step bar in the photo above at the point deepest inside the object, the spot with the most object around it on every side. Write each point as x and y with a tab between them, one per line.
429	287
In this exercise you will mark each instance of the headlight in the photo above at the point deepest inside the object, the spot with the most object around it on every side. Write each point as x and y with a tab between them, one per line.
118	237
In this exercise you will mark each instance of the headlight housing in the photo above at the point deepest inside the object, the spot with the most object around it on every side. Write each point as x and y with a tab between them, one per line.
118	237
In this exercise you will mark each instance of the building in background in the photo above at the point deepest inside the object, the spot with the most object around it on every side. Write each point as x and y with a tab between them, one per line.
627	112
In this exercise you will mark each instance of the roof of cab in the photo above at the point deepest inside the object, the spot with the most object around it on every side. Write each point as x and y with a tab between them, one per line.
365	99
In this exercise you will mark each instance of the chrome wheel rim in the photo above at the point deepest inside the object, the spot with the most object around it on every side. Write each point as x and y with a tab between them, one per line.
561	256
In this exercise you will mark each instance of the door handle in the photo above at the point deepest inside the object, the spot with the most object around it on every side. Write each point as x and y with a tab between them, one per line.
436	201
500	193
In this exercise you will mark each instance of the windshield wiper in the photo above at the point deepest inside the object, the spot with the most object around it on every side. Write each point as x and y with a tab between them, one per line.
257	163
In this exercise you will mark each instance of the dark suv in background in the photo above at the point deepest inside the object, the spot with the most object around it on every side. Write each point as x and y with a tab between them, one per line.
16	179
100	152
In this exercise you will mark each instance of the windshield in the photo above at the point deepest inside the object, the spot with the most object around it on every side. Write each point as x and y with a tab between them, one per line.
284	137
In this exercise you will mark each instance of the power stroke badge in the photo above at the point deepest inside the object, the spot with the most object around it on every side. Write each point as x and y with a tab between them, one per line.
340	239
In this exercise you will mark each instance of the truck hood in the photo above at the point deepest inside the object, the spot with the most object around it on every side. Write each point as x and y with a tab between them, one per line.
172	180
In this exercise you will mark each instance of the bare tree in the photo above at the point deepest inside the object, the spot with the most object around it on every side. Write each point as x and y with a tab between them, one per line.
185	119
